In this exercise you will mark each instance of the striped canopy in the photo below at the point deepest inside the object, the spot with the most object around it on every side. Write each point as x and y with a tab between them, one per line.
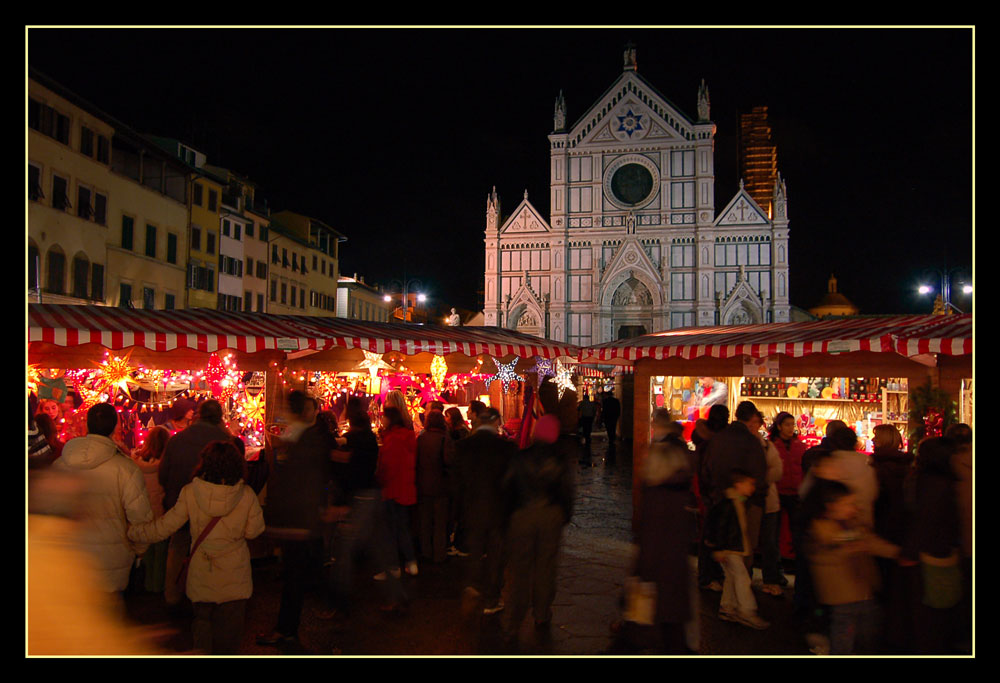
207	330
909	336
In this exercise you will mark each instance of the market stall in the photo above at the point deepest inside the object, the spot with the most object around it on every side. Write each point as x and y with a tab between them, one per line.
864	370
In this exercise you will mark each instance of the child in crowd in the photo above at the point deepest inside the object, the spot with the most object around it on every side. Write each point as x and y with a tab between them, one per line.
726	536
844	574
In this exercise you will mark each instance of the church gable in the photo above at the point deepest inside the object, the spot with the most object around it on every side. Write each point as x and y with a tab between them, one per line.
630	261
742	305
525	219
630	111
742	210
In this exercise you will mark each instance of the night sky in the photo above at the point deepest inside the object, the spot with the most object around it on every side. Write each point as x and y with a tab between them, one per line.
395	136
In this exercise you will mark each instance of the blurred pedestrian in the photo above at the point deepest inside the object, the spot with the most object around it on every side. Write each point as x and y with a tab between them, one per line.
476	408
611	412
148	457
666	530
538	492
177	466
50	430
770	529
588	411
296	499
710	574
395	399
961	464
790	449
825	446
458	429
856	473
481	461
934	540
840	552
115	495
223	513
40	453
397	475
728	537
181	416
432	488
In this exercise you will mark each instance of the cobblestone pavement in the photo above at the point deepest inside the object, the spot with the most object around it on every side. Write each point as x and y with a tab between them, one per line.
593	565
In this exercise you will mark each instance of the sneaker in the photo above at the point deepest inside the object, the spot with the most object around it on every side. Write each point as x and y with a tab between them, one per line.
411	569
494	609
713	586
727	615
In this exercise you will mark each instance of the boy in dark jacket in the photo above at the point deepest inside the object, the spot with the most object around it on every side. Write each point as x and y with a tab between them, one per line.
726	536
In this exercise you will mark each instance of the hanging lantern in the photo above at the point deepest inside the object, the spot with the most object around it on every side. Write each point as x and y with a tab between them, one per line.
439	368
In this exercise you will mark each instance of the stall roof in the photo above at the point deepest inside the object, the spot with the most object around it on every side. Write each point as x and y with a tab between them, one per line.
909	336
208	330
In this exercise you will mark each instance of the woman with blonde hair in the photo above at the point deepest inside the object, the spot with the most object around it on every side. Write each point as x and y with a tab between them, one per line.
395	399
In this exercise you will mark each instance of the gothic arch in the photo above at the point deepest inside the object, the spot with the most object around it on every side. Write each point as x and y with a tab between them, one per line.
610	286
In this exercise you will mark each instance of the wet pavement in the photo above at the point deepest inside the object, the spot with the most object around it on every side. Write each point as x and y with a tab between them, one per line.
593	564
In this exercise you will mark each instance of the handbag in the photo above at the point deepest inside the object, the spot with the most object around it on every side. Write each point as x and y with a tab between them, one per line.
182	577
942	580
640	601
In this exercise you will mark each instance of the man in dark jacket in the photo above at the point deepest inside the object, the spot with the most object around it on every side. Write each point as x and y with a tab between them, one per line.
737	447
611	410
539	491
180	459
481	460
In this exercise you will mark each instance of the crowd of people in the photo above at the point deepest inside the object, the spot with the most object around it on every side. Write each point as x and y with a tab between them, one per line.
882	543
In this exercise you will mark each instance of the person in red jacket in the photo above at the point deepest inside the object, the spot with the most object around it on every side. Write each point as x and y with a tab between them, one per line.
397	474
791	449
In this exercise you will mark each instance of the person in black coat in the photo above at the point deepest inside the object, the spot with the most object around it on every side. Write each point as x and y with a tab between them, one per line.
180	459
481	460
611	411
539	490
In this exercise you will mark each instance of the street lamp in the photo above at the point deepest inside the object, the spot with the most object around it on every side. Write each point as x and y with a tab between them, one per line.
944	292
406	284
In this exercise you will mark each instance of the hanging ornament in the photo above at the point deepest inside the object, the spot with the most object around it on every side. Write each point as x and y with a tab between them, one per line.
505	373
439	368
373	363
564	378
34	377
933	422
253	407
543	367
116	372
412	397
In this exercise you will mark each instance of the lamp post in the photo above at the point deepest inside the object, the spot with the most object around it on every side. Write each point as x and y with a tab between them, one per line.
405	285
944	292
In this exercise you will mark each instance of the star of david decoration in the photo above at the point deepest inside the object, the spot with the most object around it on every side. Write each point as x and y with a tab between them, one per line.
505	373
543	368
373	363
630	122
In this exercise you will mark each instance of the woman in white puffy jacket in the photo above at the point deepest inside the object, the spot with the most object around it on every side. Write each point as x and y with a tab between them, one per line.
219	575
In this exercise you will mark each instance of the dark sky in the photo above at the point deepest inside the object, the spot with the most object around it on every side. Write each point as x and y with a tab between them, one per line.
395	136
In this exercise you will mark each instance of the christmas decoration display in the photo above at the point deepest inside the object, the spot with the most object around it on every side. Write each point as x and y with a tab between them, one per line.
373	363
564	378
116	371
505	373
543	368
439	368
931	412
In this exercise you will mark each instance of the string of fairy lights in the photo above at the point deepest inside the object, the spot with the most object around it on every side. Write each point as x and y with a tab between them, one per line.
138	390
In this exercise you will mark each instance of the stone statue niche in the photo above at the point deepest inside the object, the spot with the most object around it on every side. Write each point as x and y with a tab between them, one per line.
632	293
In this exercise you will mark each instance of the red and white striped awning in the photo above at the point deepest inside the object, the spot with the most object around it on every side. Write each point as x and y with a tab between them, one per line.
909	336
208	330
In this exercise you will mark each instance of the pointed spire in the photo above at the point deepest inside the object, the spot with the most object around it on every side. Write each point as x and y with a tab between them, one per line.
703	102
831	284
525	194
559	118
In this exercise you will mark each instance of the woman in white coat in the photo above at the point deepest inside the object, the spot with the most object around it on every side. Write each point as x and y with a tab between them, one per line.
219	575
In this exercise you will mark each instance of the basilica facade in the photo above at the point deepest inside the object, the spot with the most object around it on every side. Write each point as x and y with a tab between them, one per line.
633	243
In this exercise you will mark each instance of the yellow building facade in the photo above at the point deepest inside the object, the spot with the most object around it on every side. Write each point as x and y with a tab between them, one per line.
304	259
107	209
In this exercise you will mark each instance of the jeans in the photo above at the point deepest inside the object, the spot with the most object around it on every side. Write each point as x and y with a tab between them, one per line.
854	626
737	596
398	517
218	628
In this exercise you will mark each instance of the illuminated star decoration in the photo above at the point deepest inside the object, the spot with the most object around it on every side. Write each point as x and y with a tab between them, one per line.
543	367
34	376
505	373
373	363
563	378
115	372
253	407
439	368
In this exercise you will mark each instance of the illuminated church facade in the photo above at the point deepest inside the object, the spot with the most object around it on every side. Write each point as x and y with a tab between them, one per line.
633	243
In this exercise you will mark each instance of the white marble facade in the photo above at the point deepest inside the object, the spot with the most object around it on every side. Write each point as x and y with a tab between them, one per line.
633	244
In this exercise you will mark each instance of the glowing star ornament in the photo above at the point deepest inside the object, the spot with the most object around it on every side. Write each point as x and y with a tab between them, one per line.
116	372
253	407
439	368
34	377
505	373
373	363
563	379
543	368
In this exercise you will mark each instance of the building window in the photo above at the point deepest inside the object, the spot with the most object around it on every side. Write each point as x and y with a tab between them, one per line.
579	329
86	141
237	231
284	258
260	303
124	295
249	229
213	200
196	194
83	208
682	164
293	295
97	282
128	225
225	228
284	292
103	150
274	254
60	193
171	248
682	195
678	320
196	238
579	259
35	183
168	302
580	288
302	298
148	298
682	256
682	286
249	266
100	208
247	301
210	242
261	270
81	271
47	120
274	290
150	240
